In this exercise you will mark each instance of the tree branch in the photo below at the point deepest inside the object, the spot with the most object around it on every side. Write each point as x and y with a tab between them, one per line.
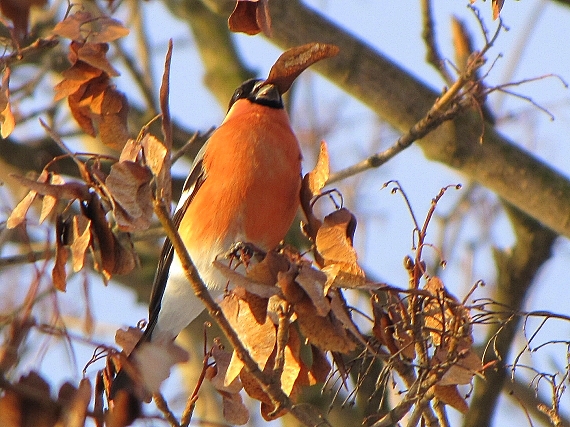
402	100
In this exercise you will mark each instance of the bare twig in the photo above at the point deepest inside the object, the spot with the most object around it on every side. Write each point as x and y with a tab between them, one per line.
433	54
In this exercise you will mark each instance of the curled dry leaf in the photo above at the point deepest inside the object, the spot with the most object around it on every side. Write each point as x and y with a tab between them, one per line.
96	105
461	43
295	60
295	373
383	328
327	333
18	215
70	27
250	17
81	238
465	364
294	377
155	153
76	402
49	202
7	121
154	361
128	184
334	244
449	394
128	338
235	412
340	311
131	151
112	254
113	118
83	26
257	336
318	177
67	191
312	281
94	54
444	315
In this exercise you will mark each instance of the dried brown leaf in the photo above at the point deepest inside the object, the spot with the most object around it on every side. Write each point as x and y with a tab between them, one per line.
217	376
295	60
17	410
444	314
154	361
334	244
461	43
293	368
311	227
250	17
234	410
290	289
340	311
70	27
75	77
334	238
7	121
126	258
318	177
257	337
128	184
130	151
81	238
468	364
10	412
155	155
327	333
67	191
113	128
313	282
95	54
75	409
18	215
383	328
449	395
49	202
128	338
106	30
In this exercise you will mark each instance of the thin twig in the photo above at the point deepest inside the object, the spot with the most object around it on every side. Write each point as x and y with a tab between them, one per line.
163	407
433	55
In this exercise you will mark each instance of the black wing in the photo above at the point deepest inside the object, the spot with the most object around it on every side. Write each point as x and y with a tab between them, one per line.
192	185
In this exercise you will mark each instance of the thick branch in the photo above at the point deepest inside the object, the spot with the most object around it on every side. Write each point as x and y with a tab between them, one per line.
402	100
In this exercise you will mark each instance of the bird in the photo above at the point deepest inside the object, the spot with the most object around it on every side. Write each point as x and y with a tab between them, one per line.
243	186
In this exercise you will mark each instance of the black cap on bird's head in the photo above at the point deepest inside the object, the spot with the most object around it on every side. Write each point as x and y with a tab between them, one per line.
259	92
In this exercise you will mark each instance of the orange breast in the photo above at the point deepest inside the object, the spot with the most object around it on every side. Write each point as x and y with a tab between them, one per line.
251	191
